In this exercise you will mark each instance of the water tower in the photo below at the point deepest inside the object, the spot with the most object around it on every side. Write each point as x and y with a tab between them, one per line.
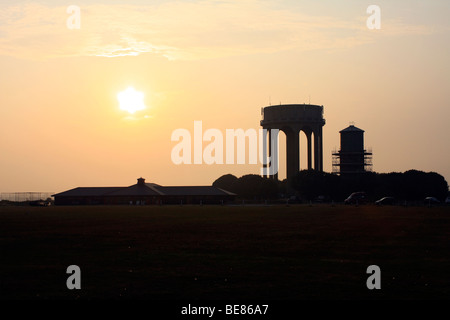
291	119
352	158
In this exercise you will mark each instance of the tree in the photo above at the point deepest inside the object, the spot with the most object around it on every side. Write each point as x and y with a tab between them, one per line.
252	186
225	182
312	183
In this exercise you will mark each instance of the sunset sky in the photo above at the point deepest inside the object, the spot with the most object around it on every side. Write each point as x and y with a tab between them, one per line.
218	61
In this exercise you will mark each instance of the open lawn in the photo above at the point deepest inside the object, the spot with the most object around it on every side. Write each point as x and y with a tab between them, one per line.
225	252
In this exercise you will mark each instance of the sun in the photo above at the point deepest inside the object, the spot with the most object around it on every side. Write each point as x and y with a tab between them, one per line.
131	100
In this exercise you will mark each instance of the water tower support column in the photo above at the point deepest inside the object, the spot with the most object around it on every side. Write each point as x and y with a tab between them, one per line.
308	136
292	153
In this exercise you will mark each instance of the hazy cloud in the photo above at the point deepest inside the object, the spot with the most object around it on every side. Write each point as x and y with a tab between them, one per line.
180	30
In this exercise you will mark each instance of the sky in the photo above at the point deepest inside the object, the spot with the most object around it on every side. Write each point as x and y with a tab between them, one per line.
219	62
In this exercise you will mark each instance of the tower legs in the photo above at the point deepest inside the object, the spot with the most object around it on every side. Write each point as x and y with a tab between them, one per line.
273	163
308	137
292	154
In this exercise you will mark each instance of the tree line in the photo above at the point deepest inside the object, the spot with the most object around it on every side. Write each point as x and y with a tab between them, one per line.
309	185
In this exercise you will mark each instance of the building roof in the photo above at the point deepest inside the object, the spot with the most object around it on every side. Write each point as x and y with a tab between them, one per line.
90	191
352	128
135	190
193	191
144	189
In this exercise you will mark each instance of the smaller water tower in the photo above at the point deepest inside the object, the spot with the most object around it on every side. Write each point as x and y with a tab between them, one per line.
352	158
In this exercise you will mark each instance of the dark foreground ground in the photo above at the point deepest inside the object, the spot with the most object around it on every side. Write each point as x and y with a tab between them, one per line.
220	252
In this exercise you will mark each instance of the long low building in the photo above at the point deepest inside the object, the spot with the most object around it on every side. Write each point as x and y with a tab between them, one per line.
144	193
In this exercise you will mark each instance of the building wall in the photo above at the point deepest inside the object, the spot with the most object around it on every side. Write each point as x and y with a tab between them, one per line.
142	200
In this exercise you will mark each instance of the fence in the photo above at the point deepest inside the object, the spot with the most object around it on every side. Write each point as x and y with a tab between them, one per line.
25	196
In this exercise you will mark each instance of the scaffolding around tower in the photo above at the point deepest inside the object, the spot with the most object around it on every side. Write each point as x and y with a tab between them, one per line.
352	158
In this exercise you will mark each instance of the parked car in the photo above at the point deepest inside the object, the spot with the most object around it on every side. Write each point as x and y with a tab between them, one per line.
385	201
356	198
322	199
431	200
39	203
294	199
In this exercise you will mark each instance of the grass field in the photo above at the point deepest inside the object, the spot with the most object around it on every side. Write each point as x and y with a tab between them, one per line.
225	252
